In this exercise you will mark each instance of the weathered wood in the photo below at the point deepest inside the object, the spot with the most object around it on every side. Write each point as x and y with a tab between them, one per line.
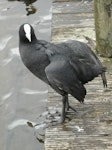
66	0
91	127
103	25
73	7
76	20
72	20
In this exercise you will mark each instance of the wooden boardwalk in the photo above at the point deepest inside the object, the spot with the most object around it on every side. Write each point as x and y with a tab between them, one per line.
91	127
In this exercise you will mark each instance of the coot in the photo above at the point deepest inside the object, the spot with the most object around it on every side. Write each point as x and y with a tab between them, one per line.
65	66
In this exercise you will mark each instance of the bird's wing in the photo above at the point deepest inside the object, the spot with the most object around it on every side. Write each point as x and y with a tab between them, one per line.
85	63
63	78
86	71
83	59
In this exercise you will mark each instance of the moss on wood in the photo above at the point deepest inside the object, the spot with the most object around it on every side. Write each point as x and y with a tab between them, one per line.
103	25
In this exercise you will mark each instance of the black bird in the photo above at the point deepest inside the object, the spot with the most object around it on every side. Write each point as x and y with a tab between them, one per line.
66	66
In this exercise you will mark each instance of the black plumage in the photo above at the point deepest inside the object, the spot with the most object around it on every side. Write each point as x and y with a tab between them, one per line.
65	66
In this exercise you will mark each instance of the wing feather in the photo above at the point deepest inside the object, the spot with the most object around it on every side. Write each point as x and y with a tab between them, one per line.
62	76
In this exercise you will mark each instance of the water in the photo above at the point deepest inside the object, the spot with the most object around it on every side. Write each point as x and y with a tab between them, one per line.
23	97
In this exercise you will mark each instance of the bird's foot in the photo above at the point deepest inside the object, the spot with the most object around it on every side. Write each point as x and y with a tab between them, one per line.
58	121
70	107
105	84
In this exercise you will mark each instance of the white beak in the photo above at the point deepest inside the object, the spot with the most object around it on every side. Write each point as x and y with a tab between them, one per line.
27	30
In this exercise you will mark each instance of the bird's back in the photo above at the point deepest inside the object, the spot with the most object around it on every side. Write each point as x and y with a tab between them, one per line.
82	58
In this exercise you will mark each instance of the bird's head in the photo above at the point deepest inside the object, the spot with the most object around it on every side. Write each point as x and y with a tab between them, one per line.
26	33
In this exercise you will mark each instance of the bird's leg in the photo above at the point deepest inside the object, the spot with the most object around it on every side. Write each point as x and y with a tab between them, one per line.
64	101
63	114
68	106
104	79
65	108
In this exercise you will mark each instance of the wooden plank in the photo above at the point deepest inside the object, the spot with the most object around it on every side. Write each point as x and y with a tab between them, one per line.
66	1
77	20
71	32
91	127
72	7
72	20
